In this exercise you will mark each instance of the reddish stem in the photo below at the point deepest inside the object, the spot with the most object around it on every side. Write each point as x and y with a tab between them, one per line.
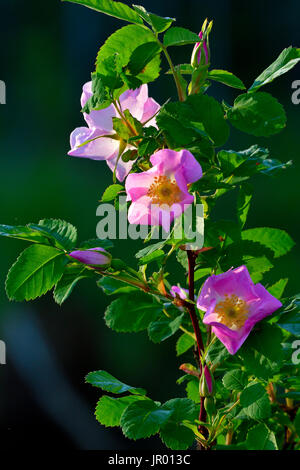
200	346
191	308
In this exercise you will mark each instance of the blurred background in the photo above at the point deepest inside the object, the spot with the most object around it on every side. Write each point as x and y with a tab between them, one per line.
47	53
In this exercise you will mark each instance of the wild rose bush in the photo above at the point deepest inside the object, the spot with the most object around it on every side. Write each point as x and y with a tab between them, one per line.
242	386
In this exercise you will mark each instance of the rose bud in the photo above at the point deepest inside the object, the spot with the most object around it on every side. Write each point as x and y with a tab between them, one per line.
201	51
207	383
92	257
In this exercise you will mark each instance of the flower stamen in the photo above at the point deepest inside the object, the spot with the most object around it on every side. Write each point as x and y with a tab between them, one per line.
232	312
164	191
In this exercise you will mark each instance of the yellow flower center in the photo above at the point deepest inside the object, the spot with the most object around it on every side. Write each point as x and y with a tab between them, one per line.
232	312
164	191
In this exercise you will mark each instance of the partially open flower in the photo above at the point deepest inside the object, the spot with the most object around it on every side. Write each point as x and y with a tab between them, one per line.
233	305
100	124
161	194
201	52
200	48
92	256
180	292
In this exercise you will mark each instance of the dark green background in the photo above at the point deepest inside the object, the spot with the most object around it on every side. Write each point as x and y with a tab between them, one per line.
47	53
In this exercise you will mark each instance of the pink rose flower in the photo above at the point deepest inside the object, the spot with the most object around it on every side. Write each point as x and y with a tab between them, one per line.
92	256
161	193
233	305
100	123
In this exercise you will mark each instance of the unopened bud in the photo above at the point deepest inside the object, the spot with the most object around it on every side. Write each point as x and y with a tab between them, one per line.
92	257
207	383
179	292
201	51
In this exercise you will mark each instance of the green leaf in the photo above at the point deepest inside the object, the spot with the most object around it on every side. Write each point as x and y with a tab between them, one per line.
287	60
124	41
257	113
182	258
36	271
155	256
242	163
148	250
257	266
147	146
108	383
260	437
183	69
177	130
235	380
162	329
201	273
247	163
173	433
275	239
109	410
217	353
158	23
111	8
130	82
143	419
73	273
230	160
277	289
208	111
122	129
112	192
255	402
198	117
179	37
132	313
184	343
243	203
254	255
289	319
61	233
101	98
23	233
192	389
262	353
142	55
227	78
112	286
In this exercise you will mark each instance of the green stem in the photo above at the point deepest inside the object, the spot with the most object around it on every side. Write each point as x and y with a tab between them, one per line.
174	73
182	327
224	416
135	283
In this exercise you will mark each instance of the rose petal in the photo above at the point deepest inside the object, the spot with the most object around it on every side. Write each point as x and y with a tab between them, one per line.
101	119
99	149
